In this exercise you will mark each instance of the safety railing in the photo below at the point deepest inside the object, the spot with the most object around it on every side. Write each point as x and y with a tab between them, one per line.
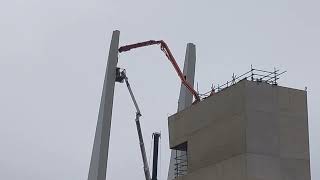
270	77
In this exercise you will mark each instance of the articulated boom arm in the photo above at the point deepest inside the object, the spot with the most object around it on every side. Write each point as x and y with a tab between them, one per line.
166	50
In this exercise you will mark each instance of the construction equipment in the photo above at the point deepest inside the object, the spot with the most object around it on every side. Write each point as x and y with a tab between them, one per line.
164	47
156	138
120	76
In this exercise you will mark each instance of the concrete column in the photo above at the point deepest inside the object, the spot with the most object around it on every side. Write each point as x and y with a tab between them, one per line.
185	97
99	157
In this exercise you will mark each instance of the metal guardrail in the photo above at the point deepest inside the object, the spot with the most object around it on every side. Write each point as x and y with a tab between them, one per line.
258	75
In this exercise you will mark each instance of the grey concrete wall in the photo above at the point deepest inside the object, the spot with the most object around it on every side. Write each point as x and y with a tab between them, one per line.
233	168
260	130
277	133
184	124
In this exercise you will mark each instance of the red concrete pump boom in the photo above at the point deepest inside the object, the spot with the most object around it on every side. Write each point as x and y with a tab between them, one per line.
164	47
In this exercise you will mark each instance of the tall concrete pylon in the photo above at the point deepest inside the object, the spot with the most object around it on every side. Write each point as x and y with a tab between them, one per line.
185	97
99	157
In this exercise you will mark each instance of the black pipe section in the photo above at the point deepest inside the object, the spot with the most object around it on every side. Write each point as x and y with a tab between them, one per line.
156	137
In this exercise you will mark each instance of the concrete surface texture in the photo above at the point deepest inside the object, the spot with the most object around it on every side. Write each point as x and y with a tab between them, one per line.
99	157
249	131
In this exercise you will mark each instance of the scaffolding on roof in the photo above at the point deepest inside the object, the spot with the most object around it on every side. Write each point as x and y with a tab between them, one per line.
258	75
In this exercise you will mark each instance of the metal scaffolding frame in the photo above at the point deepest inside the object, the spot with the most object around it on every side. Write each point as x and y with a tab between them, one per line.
258	75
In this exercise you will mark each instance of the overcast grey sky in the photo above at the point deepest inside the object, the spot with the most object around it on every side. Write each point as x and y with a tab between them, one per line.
52	64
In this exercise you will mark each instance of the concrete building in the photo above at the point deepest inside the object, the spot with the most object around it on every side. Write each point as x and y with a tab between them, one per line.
248	131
